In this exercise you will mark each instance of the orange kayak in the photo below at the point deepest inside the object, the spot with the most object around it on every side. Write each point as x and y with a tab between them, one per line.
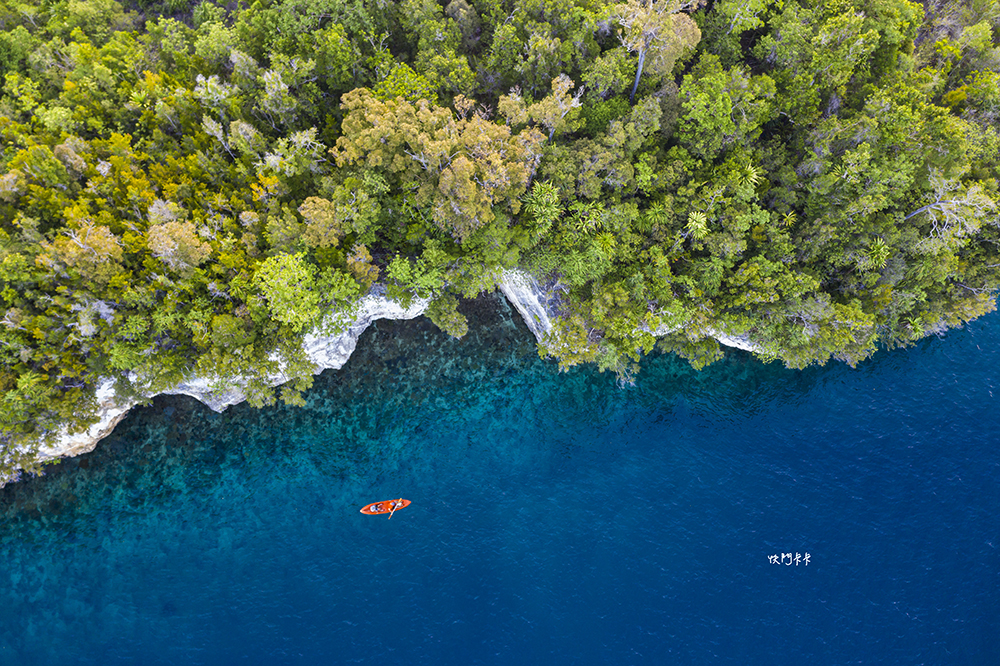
387	506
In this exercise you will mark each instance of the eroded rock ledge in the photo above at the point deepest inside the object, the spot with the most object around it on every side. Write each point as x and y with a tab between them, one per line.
326	352
538	304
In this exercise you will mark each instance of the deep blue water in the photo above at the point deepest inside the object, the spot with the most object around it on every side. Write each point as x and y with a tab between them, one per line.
556	518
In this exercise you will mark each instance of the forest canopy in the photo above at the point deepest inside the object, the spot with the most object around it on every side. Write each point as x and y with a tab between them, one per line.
189	187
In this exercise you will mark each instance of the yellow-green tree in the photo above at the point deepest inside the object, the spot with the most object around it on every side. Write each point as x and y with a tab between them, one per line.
656	30
457	167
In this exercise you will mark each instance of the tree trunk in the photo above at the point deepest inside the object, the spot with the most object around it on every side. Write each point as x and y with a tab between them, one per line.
638	73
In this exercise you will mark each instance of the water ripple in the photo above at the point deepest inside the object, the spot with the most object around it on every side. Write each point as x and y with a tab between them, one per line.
556	517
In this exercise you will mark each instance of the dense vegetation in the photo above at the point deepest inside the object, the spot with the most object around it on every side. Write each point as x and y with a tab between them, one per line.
189	187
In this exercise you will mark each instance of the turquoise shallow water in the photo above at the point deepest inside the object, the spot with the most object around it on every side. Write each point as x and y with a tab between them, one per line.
556	518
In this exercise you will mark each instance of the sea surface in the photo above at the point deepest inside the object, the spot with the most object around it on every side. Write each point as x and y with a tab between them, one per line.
557	518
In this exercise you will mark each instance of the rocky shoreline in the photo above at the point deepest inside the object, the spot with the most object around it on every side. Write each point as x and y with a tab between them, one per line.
326	353
537	304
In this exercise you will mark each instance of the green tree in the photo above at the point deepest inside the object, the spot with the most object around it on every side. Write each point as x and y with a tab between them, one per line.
722	108
443	311
288	282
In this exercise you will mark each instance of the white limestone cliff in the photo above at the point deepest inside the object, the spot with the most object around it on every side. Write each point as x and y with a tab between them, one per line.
325	351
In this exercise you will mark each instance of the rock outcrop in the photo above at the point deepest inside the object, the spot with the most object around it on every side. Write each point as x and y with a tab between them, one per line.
539	305
535	304
110	411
